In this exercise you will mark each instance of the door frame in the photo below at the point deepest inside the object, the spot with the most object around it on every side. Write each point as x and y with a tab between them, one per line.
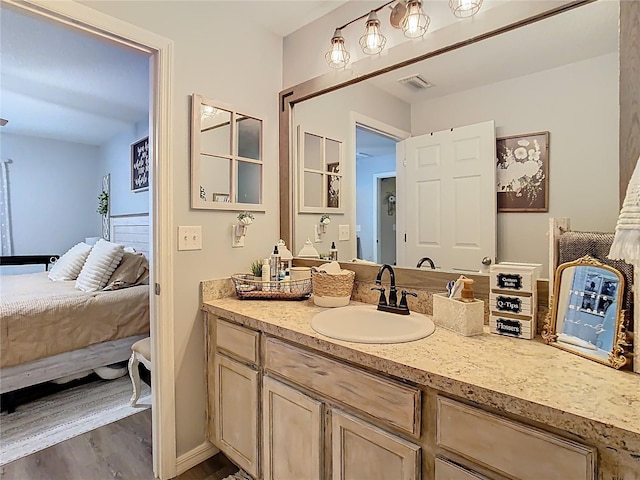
100	25
357	119
376	199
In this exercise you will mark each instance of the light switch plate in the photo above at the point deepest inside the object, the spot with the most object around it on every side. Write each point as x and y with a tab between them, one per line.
190	238
343	232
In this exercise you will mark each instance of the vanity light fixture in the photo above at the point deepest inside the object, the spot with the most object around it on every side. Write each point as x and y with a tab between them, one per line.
415	22
465	8
337	56
372	41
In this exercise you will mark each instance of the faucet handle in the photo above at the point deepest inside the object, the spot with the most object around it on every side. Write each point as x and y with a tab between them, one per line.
403	299
383	299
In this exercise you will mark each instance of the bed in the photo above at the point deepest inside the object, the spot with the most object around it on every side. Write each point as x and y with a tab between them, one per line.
51	329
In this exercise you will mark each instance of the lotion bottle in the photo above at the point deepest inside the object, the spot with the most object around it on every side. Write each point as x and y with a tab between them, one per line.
275	265
266	275
333	252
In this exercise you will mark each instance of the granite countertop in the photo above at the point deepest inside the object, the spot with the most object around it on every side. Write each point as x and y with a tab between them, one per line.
522	377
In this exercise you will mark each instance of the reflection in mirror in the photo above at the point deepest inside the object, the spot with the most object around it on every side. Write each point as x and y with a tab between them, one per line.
522	81
226	158
320	175
586	317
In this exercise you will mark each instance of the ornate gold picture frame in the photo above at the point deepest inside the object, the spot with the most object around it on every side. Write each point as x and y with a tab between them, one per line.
585	316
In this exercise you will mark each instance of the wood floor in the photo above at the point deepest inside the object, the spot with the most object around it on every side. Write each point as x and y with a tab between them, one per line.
120	450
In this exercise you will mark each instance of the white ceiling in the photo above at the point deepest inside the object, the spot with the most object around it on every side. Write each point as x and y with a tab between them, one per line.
58	83
585	32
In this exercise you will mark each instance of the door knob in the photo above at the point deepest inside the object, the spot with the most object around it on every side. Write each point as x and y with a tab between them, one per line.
486	261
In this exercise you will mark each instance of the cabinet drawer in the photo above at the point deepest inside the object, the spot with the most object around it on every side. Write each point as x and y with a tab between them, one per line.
511	448
446	470
391	402
513	281
236	340
518	327
514	304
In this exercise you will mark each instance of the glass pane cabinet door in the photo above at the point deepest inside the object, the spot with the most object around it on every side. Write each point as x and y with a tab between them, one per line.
215	179
215	136
249	181
313	152
313	189
227	167
249	139
320	163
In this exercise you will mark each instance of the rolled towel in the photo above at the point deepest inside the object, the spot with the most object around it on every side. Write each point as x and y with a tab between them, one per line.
331	267
626	243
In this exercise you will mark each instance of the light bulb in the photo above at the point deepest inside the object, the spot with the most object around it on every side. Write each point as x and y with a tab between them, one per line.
372	41
465	8
337	56
415	22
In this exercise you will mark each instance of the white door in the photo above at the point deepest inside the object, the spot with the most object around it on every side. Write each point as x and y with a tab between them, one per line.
449	204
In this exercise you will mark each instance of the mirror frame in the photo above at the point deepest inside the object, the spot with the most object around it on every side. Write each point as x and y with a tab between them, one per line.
617	357
629	145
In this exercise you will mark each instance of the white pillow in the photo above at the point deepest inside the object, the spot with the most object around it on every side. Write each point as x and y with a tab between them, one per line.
69	265
100	265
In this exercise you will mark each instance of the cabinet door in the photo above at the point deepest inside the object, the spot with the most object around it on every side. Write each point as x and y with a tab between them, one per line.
360	450
292	433
446	470
236	412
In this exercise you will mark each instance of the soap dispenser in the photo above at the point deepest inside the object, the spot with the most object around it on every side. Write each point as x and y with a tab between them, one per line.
274	260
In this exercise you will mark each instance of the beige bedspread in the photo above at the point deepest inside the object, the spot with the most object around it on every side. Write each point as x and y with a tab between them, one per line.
41	318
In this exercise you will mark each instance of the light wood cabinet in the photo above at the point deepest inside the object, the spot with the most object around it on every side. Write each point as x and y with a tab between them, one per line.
360	450
284	412
446	470
292	442
236	412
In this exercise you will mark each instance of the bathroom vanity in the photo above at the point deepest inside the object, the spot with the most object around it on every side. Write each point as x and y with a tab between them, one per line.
288	403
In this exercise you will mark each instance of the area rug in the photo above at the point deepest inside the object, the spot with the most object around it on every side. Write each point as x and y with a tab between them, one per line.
241	475
45	422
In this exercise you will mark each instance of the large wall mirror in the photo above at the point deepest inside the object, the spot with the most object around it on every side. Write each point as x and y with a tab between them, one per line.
558	74
226	158
586	316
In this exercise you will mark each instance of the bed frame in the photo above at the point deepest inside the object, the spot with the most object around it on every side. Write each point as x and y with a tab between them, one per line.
130	231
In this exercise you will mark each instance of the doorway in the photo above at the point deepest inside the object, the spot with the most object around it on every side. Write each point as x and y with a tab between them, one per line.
79	18
385	218
375	195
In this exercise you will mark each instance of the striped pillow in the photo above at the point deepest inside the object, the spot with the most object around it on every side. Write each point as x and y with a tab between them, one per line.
69	265
100	265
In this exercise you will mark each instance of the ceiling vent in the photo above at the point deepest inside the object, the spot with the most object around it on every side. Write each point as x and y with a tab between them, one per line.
415	82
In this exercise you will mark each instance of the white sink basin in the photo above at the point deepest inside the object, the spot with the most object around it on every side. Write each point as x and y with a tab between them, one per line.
368	325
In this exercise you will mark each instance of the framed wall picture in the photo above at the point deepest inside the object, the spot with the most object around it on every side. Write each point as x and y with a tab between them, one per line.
140	165
522	172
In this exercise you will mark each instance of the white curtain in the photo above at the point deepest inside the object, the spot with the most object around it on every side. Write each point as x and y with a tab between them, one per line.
6	243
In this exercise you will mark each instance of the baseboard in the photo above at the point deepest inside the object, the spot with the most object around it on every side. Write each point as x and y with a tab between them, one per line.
195	456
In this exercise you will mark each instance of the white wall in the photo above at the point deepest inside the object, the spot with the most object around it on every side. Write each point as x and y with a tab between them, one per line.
330	115
53	190
115	158
578	105
241	68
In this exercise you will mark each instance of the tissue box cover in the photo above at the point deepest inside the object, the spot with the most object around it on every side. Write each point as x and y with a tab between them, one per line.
464	318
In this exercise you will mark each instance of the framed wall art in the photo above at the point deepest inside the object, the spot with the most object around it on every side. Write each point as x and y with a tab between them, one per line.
522	172
140	165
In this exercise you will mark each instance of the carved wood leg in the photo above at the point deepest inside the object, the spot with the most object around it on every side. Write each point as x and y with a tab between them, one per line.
135	379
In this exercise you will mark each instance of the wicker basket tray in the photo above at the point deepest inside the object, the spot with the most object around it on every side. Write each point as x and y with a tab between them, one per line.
248	288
